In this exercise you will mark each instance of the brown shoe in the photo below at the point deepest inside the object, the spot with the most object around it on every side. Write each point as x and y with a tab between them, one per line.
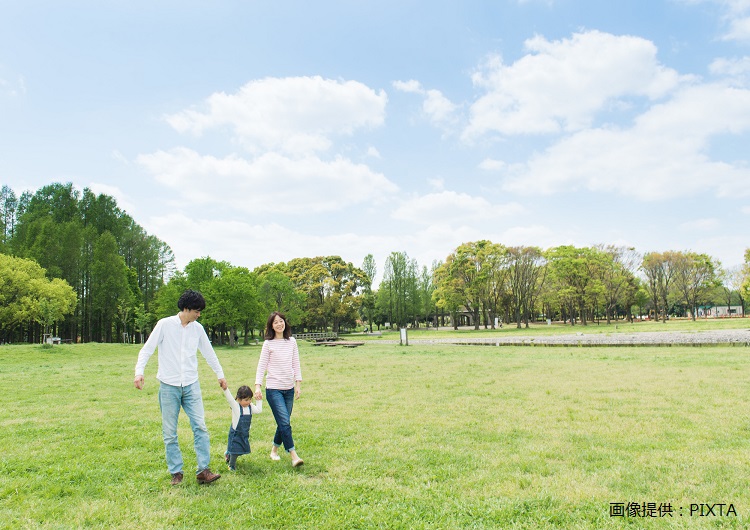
206	477
176	478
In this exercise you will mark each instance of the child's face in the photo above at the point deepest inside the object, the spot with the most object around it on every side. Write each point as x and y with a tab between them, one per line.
245	402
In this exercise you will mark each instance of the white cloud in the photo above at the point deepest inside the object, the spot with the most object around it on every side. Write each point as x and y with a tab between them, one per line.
373	152
561	85
437	184
295	115
489	164
736	70
664	155
270	183
437	108
190	237
735	17
411	86
450	207
701	225
745	210
739	29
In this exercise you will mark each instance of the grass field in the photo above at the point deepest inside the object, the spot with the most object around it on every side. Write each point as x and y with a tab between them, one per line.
417	437
557	328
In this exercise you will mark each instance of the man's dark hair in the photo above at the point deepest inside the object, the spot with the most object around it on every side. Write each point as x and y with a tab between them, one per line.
191	300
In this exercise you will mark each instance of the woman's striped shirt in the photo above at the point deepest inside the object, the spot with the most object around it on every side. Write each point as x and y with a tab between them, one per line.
279	359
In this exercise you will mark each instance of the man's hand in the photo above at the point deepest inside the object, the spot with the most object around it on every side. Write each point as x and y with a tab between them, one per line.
138	382
223	383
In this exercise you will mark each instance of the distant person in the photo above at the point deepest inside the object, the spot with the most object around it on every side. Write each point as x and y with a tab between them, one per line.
178	339
279	361
238	441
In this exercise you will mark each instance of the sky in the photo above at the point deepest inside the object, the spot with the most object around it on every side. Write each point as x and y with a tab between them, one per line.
256	132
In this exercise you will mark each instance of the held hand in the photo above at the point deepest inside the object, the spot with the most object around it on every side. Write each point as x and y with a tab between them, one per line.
223	383
258	394
138	382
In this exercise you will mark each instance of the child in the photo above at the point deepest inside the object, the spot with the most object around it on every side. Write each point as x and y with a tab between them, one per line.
238	442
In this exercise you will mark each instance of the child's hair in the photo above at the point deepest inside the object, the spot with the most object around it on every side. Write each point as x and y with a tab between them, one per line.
271	333
244	392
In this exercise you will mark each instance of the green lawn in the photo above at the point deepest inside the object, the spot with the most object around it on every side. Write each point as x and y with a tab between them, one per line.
438	437
557	328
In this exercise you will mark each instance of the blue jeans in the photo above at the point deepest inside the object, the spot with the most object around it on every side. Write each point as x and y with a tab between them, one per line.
171	398
281	403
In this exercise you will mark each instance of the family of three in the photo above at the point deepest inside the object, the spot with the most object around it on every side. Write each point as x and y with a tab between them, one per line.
178	339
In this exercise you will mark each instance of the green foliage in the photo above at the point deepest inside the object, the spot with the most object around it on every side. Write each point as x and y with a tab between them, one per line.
84	239
330	287
27	295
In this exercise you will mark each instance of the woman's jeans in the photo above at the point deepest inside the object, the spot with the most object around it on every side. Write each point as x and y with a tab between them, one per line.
171	398
281	403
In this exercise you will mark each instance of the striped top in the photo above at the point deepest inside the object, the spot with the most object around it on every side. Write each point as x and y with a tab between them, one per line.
279	359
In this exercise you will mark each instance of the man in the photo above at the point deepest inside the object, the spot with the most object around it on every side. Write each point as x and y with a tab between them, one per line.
178	338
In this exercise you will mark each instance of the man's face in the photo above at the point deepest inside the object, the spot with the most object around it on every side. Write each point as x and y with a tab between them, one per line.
193	314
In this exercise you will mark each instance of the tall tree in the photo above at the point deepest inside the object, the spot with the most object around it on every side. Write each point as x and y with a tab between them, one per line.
368	297
576	271
617	276
8	209
109	285
331	288
231	299
659	268
527	272
448	294
695	275
278	293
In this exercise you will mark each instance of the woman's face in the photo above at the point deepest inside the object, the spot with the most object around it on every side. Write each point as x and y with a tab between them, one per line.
278	324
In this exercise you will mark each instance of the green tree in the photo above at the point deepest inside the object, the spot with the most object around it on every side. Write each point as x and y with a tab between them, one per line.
231	299
27	296
695	276
330	286
56	300
109	285
447	295
576	271
278	293
659	269
8	209
368	296
617	276
527	272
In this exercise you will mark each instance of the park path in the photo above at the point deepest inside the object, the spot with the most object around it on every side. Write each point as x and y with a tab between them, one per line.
738	337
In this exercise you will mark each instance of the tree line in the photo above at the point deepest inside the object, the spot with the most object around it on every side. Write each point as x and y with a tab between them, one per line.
75	265
484	283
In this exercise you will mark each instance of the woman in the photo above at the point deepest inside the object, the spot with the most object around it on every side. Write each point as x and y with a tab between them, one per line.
279	361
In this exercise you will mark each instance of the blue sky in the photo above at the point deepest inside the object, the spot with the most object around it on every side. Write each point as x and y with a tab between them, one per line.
256	132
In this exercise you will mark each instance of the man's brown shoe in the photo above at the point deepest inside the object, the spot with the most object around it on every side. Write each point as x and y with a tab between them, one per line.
206	477
176	478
